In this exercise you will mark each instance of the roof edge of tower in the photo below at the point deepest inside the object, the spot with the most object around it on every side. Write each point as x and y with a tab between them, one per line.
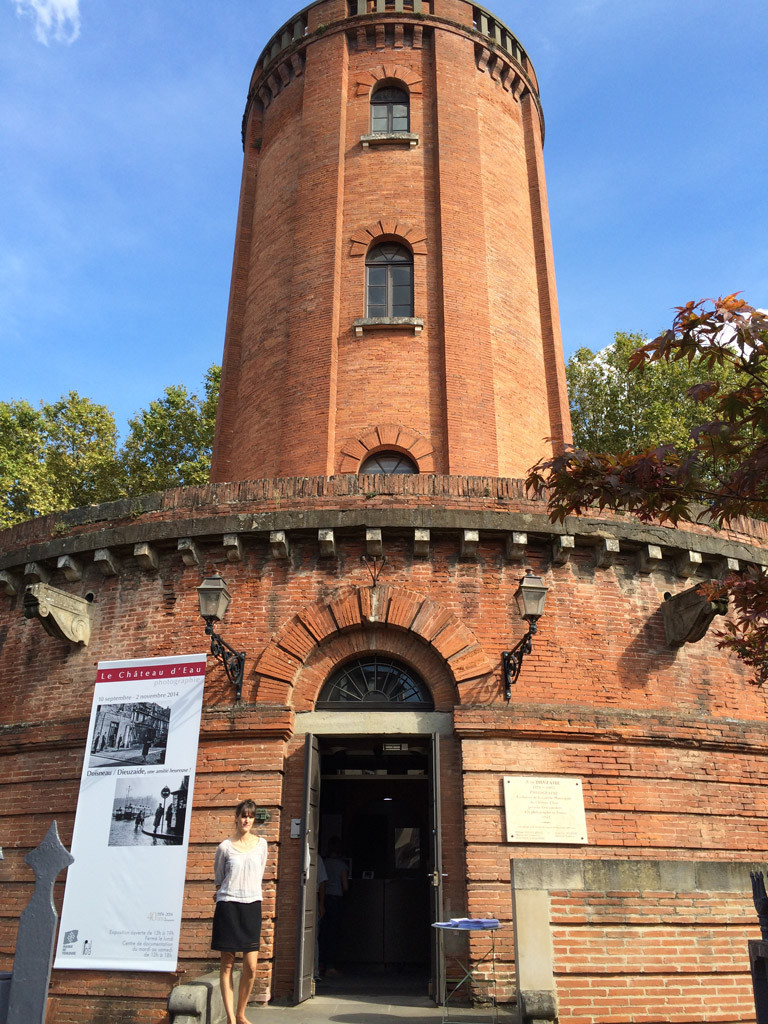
497	40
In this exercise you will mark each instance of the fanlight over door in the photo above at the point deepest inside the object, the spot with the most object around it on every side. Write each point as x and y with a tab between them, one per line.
373	682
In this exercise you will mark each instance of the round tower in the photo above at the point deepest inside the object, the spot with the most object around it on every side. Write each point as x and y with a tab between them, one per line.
599	789
393	290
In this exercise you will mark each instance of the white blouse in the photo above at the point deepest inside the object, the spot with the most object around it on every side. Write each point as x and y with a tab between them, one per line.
238	873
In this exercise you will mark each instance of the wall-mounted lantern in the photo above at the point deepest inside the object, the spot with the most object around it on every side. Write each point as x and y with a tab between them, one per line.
214	599
530	596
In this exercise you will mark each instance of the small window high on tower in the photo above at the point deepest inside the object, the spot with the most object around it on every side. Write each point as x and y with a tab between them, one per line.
390	110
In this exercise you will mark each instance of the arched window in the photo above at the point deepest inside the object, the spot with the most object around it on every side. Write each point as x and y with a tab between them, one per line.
390	110
389	281
372	681
388	462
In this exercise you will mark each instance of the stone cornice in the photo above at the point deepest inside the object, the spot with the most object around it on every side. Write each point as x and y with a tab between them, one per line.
254	510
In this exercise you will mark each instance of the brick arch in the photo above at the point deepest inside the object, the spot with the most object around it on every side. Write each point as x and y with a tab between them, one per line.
367	80
385	229
355	619
389	437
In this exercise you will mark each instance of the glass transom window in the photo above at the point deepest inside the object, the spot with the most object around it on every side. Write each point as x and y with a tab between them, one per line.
388	462
375	681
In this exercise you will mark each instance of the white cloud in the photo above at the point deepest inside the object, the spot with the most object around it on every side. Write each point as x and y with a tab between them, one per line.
57	20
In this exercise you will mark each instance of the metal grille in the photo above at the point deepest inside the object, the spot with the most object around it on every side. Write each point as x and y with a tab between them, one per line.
375	681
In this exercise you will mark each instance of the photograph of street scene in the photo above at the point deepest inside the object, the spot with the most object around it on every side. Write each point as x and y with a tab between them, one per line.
129	734
149	812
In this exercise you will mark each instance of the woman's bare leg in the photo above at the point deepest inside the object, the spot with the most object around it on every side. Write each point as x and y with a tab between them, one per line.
227	988
246	985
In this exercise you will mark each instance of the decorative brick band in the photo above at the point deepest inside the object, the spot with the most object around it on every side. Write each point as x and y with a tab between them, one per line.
367	80
389	227
355	607
392	437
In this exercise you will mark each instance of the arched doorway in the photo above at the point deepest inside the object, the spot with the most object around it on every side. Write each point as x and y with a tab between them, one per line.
371	798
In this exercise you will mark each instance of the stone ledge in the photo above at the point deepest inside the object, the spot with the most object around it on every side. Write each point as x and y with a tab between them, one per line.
388	323
389	139
582	874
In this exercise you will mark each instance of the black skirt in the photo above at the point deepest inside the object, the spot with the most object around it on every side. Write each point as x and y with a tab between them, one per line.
236	926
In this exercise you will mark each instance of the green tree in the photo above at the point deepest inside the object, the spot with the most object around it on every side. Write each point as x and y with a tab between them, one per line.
613	410
62	455
26	489
718	474
170	443
81	458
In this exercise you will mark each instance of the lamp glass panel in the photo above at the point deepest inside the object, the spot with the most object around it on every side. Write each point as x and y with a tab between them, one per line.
213	597
531	595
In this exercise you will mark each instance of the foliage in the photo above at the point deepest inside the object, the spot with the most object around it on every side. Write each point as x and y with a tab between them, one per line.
170	443
65	455
61	456
25	487
81	458
718	474
613	410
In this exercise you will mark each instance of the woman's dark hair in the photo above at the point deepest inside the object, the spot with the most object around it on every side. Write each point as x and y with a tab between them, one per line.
246	807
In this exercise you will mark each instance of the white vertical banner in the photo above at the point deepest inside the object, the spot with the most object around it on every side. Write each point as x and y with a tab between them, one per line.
124	892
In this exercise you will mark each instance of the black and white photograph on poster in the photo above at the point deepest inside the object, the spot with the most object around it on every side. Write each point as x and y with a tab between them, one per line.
130	734
149	811
123	901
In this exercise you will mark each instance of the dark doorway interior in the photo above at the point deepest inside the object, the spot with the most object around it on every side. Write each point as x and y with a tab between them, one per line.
374	800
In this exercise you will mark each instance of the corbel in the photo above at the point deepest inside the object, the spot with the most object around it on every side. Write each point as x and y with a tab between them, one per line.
107	561
687	564
606	551
649	558
62	615
36	572
278	543
373	543
562	548
9	582
724	566
233	546
146	555
421	543
71	567
469	541
327	541
516	546
189	551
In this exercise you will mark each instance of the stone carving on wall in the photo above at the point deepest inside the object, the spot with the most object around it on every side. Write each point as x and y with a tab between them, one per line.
688	615
62	615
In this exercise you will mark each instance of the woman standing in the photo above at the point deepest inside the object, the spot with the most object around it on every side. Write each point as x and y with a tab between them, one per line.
238	872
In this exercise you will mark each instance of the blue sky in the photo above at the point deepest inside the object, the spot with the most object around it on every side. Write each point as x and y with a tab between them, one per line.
120	162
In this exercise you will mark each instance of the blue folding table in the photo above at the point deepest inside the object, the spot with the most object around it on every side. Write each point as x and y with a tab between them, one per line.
470	977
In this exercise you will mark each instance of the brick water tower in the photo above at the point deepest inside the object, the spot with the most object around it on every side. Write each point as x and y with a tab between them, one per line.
392	368
393	291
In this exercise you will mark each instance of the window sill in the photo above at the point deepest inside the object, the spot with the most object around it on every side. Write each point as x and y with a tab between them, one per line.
387	323
389	139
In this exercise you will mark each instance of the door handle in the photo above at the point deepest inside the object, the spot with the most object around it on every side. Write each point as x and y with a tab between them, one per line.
434	877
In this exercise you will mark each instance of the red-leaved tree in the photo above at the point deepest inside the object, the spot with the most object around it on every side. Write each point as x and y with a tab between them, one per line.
721	474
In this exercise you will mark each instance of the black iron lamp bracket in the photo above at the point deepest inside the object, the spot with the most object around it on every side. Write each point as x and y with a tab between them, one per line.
513	660
232	660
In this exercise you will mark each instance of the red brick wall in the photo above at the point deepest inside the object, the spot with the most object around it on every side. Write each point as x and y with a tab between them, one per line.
670	745
484	382
655	957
